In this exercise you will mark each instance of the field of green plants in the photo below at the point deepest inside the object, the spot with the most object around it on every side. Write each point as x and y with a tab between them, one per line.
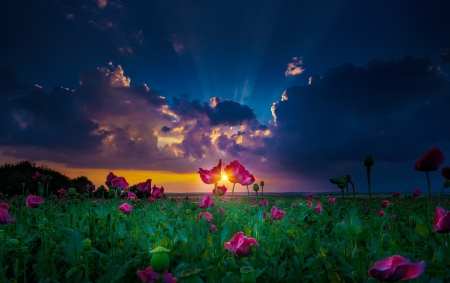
115	234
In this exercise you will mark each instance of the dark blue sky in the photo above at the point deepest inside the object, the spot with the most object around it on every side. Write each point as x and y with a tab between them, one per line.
135	78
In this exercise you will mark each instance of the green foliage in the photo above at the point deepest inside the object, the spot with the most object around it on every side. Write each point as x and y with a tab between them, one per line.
14	175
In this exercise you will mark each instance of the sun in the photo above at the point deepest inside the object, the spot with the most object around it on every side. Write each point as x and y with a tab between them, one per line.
224	177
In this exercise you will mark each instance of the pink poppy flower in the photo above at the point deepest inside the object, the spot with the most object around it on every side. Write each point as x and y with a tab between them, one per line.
240	245
221	211
318	208
150	276
264	214
265	202
237	174
131	195
331	200
292	220
5	218
308	196
430	161
309	204
445	172
151	199
125	208
294	205
157	192
384	203
417	193
109	179
163	207
119	182
222	190
212	228
62	191
396	195
394	217
146	186
4	205
207	216
206	202
34	201
37	177
441	221
395	268
211	176
381	213
276	214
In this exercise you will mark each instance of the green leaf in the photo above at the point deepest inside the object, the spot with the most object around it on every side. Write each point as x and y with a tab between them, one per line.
422	229
282	270
247	231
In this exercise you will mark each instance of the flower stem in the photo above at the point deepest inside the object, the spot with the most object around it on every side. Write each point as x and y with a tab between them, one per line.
370	205
354	197
429	198
232	192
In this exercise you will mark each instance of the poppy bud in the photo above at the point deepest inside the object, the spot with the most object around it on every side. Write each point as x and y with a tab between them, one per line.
368	162
186	197
247	275
231	263
261	183
152	238
72	192
342	185
194	205
189	211
86	245
253	209
255	187
347	177
24	250
447	184
110	194
160	259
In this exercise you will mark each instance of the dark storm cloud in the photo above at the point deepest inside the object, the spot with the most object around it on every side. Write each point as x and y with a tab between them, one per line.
38	118
392	110
165	129
226	112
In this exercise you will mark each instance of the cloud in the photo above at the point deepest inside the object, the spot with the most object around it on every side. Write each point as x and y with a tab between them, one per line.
445	55
295	67
392	110
102	3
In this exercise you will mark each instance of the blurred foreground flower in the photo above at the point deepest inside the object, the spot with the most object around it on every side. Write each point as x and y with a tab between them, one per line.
396	268
417	193
5	218
441	220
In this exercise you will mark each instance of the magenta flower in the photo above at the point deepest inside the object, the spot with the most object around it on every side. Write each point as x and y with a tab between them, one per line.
396	195
381	213
221	211
125	208
292	220
394	217
240	245
318	208
264	214
207	216
206	202
309	204
109	179
308	196
417	193
146	186
62	191
396	268
430	161
211	176
131	195
294	205
37	177
148	275
384	203
119	182
441	220
265	202
212	228
4	205
5	218
34	201
445	172
151	199
236	172
157	192
222	190
276	214
331	200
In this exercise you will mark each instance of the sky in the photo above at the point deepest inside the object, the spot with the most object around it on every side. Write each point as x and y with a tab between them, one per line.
297	91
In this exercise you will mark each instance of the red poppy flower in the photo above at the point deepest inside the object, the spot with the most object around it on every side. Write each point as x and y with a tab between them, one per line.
5	218
430	161
125	208
222	190
445	172
34	201
211	176
276	214
109	179
396	195
146	186
417	193
441	220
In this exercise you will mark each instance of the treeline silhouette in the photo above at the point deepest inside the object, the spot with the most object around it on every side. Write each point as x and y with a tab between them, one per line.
12	176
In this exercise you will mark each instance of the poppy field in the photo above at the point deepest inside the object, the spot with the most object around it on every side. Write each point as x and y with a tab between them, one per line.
112	234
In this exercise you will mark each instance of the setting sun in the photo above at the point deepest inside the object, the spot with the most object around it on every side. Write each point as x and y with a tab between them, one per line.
224	177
